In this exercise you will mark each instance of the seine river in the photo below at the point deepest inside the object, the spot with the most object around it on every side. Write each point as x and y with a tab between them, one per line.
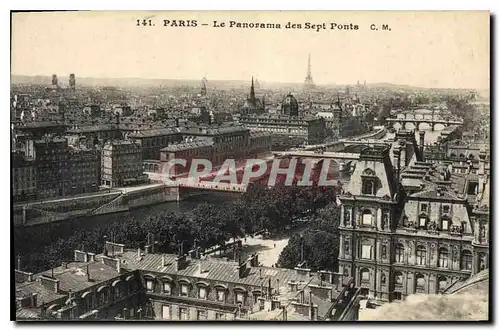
45	233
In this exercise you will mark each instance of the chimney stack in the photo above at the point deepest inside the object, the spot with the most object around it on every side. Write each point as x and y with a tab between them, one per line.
269	289
397	159
181	262
105	250
422	142
88	274
19	263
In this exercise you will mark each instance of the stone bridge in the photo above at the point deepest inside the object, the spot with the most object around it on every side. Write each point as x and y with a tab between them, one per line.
417	119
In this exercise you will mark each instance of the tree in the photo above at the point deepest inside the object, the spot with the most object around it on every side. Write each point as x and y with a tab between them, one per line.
318	248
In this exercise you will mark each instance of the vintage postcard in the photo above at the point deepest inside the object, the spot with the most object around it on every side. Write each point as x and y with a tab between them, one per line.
250	166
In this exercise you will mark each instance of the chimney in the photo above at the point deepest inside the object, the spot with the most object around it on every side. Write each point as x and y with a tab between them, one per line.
19	263
176	122
242	268
269	288
310	298
397	158
163	261
105	250
181	262
277	286
284	313
302	296
139	257
50	283
88	274
312	312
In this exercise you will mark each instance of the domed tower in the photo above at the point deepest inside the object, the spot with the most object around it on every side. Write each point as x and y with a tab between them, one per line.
290	106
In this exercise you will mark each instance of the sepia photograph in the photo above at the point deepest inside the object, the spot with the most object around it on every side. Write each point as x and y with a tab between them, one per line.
243	166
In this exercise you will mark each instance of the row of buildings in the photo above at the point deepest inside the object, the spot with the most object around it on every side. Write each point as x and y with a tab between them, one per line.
311	126
124	284
53	166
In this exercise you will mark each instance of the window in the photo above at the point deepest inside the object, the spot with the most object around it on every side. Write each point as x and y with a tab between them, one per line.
445	224
240	297
149	285
167	288
442	283
421	253
400	252
398	278
423	207
419	281
366	250
183	314
367	217
482	261
466	263
383	279
201	315
184	290
365	275
446	209
443	258
219	316
368	187
202	292
422	222
165	312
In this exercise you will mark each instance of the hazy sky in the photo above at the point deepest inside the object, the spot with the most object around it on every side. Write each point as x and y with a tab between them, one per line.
430	49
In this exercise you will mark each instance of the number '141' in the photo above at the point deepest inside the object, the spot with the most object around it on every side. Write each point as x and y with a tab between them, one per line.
144	23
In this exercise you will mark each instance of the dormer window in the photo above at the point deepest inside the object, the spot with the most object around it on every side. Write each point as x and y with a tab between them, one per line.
167	288
369	182
184	290
423	207
202	292
149	285
446	209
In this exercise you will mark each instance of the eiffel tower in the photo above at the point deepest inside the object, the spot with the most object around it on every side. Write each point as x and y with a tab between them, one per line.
308	82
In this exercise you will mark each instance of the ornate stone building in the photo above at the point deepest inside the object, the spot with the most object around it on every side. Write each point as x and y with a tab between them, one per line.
308	128
410	228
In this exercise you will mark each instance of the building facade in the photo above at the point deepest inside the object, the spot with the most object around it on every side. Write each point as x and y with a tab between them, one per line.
51	155
309	129
23	177
409	228
152	141
85	169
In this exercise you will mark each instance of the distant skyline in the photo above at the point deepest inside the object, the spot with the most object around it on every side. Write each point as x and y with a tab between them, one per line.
423	49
